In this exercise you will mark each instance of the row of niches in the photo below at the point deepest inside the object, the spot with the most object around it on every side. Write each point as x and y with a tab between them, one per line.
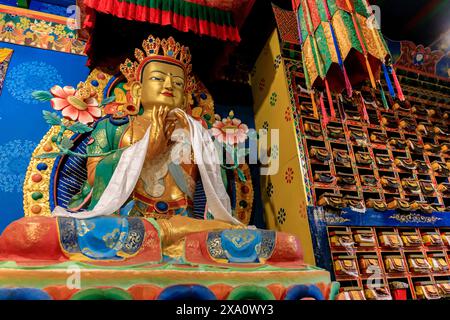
397	289
431	124
350	175
344	155
392	259
378	201
377	174
372	166
426	140
362	155
361	238
416	142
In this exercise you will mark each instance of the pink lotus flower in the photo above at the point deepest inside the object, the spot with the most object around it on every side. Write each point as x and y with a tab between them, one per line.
76	105
231	131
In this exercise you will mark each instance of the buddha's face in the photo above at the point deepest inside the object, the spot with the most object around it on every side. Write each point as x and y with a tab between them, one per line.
162	84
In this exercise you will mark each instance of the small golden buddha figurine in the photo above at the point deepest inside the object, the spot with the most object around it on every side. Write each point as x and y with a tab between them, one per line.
135	206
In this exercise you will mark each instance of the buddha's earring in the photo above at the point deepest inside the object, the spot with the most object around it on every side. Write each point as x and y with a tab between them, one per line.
133	109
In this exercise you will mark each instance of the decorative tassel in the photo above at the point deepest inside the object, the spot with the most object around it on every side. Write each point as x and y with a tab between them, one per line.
369	70
348	85
341	108
388	81
365	114
299	28
401	96
314	105
383	97
330	100
324	111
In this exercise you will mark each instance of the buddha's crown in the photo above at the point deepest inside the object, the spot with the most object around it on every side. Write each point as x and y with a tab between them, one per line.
165	50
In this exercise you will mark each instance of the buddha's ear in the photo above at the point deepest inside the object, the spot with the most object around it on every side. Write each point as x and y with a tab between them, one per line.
188	101
136	90
184	104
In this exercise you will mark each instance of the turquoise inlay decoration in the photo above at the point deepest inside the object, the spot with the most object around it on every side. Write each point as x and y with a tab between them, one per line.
241	245
102	238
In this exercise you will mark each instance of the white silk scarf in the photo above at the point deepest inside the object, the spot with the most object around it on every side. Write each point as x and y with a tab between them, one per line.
126	176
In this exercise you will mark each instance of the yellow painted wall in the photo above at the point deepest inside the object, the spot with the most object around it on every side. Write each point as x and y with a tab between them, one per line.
283	193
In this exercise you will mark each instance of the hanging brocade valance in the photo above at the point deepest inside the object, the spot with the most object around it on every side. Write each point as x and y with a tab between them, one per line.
339	32
183	15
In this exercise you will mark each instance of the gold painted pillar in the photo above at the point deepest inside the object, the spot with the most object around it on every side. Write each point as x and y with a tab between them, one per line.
283	193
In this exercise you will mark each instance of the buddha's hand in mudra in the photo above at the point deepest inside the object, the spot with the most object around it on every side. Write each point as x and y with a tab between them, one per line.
161	129
163	123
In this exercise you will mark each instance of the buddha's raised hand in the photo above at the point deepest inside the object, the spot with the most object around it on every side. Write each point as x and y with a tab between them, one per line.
160	131
180	118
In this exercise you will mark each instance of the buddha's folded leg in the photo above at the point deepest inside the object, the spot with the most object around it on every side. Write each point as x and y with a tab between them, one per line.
178	227
192	239
34	238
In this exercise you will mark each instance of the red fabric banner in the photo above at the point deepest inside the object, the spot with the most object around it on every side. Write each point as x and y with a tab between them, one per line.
131	11
227	5
221	28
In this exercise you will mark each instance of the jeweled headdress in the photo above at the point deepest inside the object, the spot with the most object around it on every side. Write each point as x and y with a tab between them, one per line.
155	49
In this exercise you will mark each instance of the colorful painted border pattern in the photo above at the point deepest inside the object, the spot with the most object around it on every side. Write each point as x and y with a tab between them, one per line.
24	27
290	67
220	291
5	57
149	282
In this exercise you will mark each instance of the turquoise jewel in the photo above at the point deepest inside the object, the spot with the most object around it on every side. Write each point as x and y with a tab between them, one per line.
41	166
162	206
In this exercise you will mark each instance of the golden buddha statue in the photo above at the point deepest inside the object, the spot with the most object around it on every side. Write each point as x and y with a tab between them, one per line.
135	206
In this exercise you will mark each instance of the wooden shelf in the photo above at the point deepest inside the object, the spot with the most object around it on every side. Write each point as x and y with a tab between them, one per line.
404	252
375	124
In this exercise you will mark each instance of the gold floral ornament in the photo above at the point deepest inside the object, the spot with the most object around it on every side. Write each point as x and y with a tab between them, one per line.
11	32
122	105
202	106
76	104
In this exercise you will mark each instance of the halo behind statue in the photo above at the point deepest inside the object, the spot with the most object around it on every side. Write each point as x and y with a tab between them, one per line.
54	181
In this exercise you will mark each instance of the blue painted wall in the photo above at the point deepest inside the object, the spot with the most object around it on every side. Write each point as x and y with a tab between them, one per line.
57	9
12	3
21	123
